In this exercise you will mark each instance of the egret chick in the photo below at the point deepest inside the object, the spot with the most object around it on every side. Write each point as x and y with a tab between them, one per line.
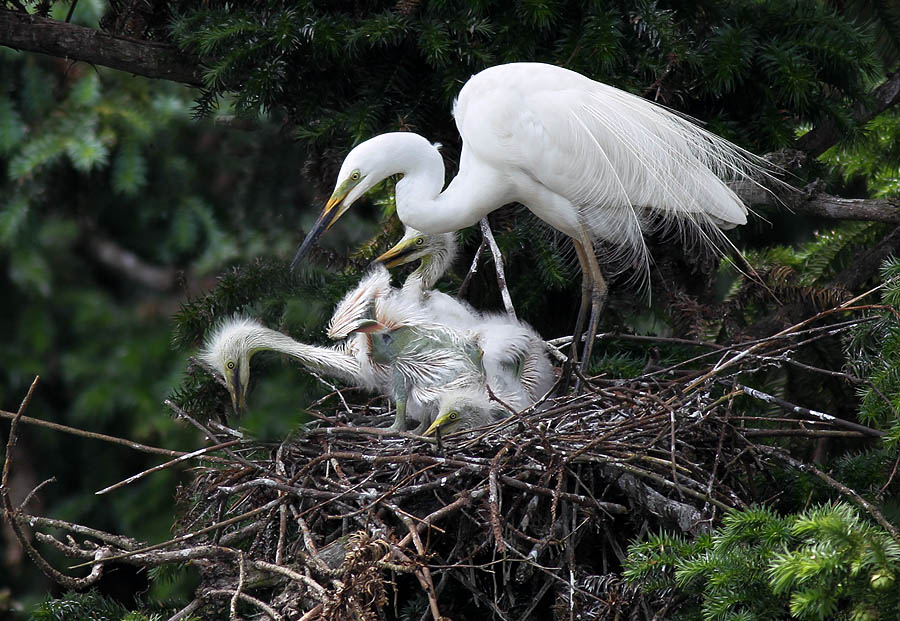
462	410
594	162
235	341
415	357
515	359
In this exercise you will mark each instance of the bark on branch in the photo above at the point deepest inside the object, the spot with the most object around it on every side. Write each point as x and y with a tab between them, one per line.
49	36
814	202
817	141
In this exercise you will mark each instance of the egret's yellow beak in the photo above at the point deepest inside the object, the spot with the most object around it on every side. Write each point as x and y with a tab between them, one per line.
334	209
399	254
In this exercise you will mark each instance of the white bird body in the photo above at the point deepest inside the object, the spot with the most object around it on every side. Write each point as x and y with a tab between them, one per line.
413	356
594	162
515	360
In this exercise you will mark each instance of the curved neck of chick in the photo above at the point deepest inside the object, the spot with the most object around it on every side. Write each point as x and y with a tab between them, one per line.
421	204
330	360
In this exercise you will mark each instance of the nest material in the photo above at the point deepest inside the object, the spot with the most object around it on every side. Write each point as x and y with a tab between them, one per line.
506	514
526	518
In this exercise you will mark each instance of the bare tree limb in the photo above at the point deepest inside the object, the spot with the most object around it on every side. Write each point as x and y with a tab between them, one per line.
78	43
122	260
820	139
814	202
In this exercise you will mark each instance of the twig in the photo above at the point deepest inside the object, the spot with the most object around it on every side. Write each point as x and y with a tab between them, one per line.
120	541
796	409
187	610
494	500
105	438
71	11
186	537
840	309
498	265
12	515
165	465
212	437
31	494
472	269
843	489
247	598
242	576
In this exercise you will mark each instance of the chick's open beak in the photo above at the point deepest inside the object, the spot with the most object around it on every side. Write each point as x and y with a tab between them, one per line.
398	255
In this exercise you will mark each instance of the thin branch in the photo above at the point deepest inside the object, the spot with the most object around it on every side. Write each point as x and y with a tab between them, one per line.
498	265
105	438
796	409
165	465
843	489
472	269
884	96
12	514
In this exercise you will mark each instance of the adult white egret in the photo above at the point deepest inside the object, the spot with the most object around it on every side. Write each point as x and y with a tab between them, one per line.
590	160
235	341
515	359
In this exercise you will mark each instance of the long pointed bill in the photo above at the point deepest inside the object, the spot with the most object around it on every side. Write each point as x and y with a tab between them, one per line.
238	396
329	216
399	254
434	427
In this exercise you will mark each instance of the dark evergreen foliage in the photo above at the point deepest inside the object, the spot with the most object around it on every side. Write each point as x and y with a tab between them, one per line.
90	156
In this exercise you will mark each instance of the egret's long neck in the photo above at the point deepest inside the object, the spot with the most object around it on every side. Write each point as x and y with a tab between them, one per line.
328	360
420	203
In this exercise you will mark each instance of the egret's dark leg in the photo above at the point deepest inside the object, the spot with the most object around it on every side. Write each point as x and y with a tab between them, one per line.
598	300
586	288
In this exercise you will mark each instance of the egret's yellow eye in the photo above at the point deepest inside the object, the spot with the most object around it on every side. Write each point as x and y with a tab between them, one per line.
354	176
420	241
231	364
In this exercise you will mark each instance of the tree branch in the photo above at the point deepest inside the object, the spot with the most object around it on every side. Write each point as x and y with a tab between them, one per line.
820	139
147	58
813	202
122	260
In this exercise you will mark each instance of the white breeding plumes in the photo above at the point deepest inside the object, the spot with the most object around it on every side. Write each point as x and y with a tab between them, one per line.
592	161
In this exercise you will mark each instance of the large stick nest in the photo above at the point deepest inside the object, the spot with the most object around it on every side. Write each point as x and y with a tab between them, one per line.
521	519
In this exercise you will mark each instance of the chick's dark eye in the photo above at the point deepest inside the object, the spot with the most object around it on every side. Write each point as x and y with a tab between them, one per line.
420	241
453	415
231	364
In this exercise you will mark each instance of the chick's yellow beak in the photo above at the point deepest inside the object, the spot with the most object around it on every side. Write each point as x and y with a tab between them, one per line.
435	425
398	255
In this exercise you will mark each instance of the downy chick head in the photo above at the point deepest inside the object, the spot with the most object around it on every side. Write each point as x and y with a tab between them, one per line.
461	410
228	350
